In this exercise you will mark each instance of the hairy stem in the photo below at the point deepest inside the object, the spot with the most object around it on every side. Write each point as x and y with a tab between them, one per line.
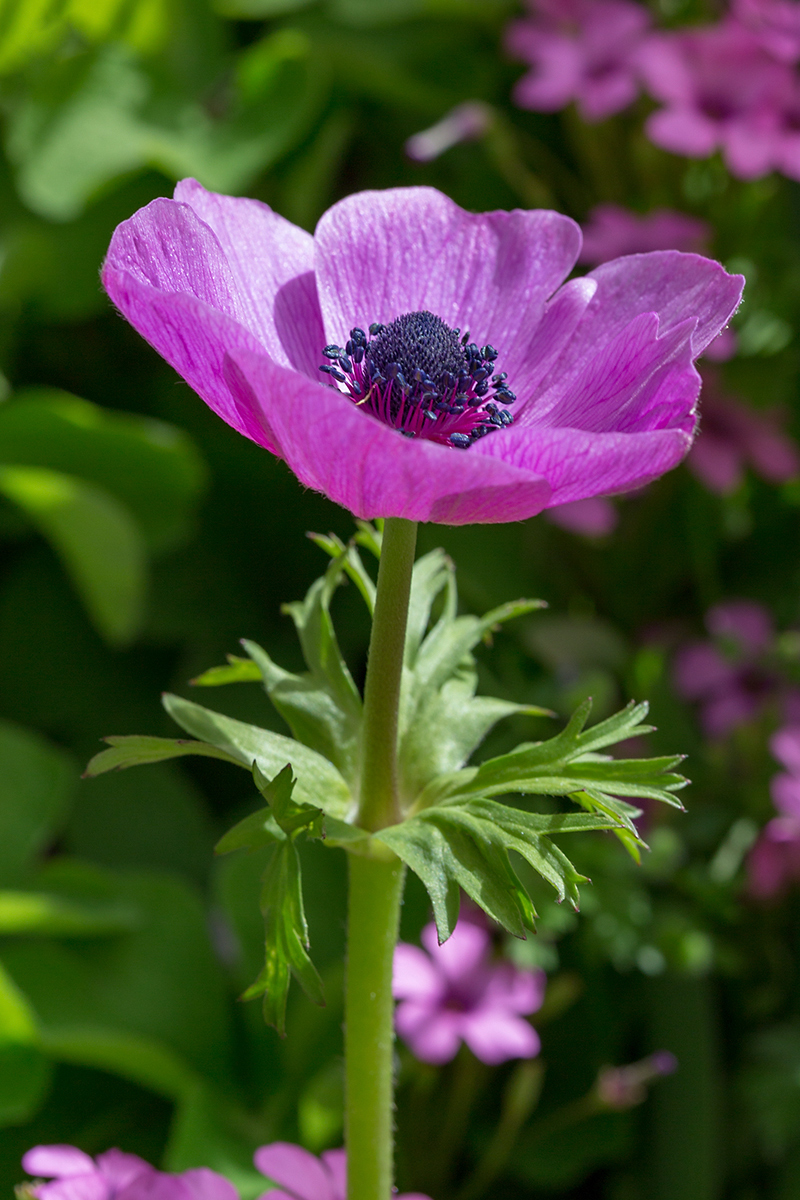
373	918
378	792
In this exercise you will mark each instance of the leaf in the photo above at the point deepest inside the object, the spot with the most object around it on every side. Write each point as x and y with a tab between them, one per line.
97	538
286	938
141	1060
318	781
37	781
293	818
238	670
351	561
259	829
566	764
24	1069
151	467
135	750
53	916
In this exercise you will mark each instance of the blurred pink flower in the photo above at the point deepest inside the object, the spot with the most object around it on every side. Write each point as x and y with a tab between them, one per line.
733	436
722	90
303	1176
117	1176
595	517
612	231
775	23
727	677
774	861
457	992
581	50
619	1088
723	347
249	308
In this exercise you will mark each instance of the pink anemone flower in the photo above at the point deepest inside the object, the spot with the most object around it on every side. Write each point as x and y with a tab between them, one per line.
413	418
456	992
303	1176
73	1175
582	50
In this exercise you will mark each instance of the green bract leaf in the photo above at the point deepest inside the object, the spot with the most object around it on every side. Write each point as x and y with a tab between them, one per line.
318	781
286	938
135	750
291	817
352	563
566	764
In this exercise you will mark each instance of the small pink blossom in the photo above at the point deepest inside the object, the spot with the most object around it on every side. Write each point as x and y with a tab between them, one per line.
619	1088
733	436
727	677
722	90
612	231
457	992
114	1175
581	50
774	861
303	1176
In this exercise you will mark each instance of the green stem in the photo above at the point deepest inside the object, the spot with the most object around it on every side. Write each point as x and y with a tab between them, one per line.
376	887
379	801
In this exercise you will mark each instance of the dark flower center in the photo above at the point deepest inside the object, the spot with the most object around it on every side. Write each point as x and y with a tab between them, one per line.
424	379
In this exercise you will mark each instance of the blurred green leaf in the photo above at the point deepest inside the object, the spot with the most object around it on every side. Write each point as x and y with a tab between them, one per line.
140	1059
24	1069
152	467
52	916
37	782
97	538
29	28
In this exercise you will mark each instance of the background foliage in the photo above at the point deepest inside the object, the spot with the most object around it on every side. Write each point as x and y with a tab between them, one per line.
141	538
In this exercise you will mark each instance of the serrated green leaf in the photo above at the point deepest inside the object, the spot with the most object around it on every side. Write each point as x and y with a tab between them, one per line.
286	938
293	818
238	670
136	750
318	781
431	574
353	565
259	829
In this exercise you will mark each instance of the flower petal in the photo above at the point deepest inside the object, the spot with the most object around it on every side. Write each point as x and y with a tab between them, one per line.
336	1163
367	467
437	1041
577	463
297	1170
205	1184
494	1036
414	975
57	1160
382	254
272	264
120	1168
462	954
194	338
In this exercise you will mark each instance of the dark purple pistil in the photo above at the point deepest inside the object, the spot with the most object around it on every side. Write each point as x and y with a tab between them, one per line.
423	379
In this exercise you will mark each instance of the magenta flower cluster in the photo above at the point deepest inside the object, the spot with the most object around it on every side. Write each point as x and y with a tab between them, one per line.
459	992
730	86
415	360
732	677
66	1173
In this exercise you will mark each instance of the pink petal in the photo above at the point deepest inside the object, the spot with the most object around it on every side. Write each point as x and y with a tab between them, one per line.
701	671
515	990
272	264
438	1040
785	792
721	714
76	1187
336	1163
494	1036
194	339
297	1170
120	1168
382	254
367	467
744	621
716	462
785	745
463	952
57	1160
594	517
413	1015
205	1184
414	975
578	464
683	131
